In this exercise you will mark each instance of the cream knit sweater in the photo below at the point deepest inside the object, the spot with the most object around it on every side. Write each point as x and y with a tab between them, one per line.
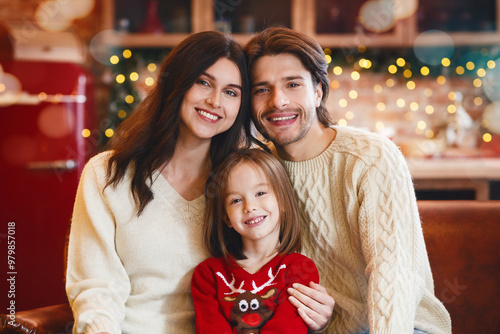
364	233
132	274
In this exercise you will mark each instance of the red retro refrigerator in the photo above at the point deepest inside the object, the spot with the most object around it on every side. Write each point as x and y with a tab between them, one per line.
46	136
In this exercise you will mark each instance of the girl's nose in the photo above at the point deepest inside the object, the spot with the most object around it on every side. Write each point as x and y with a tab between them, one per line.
250	206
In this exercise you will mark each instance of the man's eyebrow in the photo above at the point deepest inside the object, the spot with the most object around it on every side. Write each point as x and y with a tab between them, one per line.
213	78
288	78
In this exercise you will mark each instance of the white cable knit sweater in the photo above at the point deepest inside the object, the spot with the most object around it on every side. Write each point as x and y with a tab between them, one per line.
364	233
132	274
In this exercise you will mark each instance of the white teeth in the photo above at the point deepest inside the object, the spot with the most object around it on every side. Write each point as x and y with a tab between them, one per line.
207	115
282	118
251	222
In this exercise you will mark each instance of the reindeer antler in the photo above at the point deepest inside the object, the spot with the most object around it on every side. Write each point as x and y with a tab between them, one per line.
268	283
231	285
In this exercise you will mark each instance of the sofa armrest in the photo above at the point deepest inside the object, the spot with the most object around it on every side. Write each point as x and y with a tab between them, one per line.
56	319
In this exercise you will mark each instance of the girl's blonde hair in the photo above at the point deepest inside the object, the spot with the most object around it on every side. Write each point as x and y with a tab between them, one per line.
221	240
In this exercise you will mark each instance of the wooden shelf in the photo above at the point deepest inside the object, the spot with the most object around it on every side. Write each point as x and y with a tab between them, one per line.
303	18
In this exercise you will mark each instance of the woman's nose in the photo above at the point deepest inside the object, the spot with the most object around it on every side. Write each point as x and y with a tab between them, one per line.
213	100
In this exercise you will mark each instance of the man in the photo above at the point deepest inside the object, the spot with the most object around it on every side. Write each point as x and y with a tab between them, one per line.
356	196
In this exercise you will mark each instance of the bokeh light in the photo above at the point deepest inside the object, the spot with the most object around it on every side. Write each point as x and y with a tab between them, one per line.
433	55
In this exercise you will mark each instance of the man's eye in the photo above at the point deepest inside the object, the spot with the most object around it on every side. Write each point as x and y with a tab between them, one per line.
293	84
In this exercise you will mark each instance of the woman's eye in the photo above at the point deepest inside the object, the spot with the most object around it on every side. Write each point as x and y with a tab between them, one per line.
260	90
203	82
231	93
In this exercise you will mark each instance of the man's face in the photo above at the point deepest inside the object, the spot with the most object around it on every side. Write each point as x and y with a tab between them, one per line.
284	98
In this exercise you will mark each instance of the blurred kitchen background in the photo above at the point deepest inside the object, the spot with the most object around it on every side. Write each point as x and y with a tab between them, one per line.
424	73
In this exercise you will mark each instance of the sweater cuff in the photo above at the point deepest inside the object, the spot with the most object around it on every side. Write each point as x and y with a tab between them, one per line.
100	325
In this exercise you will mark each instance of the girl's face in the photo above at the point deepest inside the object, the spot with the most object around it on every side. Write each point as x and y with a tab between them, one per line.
211	105
251	205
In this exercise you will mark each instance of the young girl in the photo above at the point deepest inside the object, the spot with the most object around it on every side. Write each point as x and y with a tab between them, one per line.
252	230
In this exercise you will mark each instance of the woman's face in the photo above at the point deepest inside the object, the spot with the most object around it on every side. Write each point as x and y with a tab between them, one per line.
211	105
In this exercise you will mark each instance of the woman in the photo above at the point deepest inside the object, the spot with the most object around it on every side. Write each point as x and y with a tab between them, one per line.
136	235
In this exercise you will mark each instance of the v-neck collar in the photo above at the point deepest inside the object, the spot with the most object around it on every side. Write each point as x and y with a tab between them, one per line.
269	264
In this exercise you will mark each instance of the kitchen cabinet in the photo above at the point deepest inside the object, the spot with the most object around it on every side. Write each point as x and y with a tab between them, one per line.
333	23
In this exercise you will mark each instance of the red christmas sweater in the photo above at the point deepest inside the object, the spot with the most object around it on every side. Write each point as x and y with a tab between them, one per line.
228	299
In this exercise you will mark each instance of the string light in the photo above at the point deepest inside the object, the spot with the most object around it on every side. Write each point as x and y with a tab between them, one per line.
120	78
481	72
470	65
109	133
134	76
400	102
487	137
129	99
414	106
343	103
460	70
355	75
381	106
337	70
342	122
441	80
122	114
377	88
85	133
411	85
424	71
152	67
429	109
114	59
353	94
445	62
127	53
400	62
328	59
491	64
478	101
392	69
477	83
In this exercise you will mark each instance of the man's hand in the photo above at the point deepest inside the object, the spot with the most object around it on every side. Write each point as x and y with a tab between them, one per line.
314	304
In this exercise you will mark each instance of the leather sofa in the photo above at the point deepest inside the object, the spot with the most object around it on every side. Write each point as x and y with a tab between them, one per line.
463	241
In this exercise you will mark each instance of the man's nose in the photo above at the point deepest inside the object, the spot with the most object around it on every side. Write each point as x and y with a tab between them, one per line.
279	99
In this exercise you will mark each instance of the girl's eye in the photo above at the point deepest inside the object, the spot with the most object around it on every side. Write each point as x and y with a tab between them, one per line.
261	193
234	201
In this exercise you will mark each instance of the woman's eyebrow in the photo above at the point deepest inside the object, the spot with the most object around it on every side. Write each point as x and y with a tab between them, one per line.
211	77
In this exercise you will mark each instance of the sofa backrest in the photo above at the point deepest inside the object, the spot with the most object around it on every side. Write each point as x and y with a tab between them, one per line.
463	243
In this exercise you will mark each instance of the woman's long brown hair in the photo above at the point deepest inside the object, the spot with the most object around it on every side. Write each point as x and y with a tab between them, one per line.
146	140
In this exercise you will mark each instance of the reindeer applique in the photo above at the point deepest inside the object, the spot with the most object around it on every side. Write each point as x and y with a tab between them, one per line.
249	312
